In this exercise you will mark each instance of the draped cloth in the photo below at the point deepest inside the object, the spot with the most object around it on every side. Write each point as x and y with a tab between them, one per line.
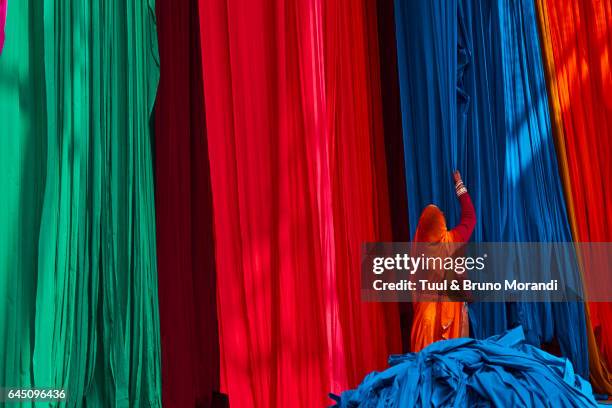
82	314
22	181
293	118
185	246
435	321
576	39
501	371
394	145
474	99
2	23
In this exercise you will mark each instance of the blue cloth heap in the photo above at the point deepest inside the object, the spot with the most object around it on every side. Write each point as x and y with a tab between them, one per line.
501	371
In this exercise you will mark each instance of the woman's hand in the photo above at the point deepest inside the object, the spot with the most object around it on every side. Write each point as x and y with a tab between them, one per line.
457	176
459	187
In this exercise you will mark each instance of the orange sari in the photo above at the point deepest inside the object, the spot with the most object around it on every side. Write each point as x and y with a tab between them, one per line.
435	321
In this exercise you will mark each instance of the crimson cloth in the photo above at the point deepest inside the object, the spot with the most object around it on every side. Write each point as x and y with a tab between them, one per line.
394	144
294	125
185	247
463	230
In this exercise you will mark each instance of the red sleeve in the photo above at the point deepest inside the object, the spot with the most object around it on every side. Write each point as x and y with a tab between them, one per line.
463	231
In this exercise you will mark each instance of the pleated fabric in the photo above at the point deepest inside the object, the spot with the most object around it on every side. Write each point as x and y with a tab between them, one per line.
2	23
392	122
576	37
501	371
293	117
474	99
394	145
87	315
185	245
22	182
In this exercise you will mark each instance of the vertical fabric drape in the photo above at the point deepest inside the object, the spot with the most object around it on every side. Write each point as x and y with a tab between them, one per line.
2	23
86	316
474	98
394	145
294	126
576	39
22	181
185	246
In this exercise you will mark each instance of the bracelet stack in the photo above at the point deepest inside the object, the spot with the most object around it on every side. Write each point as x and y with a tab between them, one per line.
460	188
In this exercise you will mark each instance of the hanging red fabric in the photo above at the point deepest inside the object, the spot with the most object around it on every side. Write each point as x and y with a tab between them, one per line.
577	40
185	247
293	116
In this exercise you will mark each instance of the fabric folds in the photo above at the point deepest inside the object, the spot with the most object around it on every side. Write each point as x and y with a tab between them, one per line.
85	318
183	201
576	38
474	99
293	117
22	182
2	23
501	371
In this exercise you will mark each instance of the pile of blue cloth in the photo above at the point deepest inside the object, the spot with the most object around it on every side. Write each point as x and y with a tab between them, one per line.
501	371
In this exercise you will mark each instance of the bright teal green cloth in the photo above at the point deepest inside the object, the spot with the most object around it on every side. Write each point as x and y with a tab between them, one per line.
78	275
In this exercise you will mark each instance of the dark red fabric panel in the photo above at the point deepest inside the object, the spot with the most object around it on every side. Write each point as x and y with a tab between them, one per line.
185	246
299	181
392	121
394	144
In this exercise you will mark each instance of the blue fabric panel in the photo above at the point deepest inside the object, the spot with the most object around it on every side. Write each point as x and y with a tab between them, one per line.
473	98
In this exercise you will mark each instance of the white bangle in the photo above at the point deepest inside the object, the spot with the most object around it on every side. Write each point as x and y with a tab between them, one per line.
460	188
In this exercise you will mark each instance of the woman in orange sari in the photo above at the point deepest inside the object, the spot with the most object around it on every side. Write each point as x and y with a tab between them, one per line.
435	321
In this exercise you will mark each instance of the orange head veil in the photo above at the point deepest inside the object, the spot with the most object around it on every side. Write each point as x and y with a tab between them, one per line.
432	226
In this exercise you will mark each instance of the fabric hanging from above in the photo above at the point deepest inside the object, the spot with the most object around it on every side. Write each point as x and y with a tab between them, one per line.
294	128
81	202
2	23
22	182
474	99
576	38
501	371
97	276
183	204
394	145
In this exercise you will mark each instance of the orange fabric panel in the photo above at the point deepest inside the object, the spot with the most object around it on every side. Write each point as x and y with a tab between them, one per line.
576	43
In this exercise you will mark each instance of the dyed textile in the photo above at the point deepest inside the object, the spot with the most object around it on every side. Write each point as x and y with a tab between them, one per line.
576	38
435	321
474	98
22	182
392	121
298	175
2	23
394	145
432	224
81	309
501	371
183	208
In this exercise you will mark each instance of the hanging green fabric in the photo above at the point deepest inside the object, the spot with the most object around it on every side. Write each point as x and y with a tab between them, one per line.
22	169
82	208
